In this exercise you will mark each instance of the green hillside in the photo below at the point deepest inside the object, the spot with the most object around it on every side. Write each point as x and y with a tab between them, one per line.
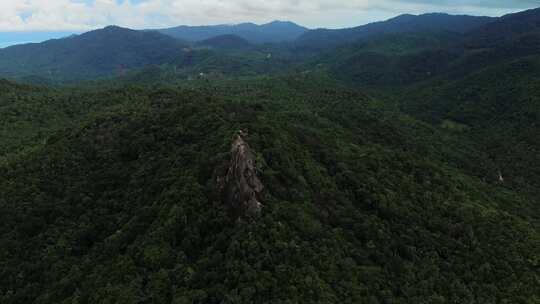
498	107
109	51
361	204
403	24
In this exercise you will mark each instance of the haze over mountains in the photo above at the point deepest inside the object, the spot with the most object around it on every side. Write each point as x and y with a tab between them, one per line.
91	54
396	162
105	52
402	24
277	31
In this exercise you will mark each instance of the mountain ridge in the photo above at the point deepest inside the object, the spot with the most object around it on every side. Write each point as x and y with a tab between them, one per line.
273	32
406	23
96	53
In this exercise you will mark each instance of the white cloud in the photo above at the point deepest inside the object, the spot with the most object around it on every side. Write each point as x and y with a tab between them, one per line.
32	15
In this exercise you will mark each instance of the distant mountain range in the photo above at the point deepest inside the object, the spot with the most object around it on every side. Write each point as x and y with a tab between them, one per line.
408	56
354	53
436	22
91	54
277	31
507	29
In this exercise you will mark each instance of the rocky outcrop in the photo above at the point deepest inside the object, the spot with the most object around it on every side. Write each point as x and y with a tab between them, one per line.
241	188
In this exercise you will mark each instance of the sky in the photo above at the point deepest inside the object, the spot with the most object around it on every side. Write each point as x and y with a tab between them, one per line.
37	20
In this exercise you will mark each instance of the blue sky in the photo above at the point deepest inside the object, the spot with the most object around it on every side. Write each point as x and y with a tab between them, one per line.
11	38
37	20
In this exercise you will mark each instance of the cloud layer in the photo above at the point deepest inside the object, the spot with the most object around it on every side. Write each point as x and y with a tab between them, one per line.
33	15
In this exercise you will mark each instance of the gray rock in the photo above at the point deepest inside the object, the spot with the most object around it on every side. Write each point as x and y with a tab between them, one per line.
241	188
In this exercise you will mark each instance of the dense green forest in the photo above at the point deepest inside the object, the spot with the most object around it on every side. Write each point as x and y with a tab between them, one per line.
398	167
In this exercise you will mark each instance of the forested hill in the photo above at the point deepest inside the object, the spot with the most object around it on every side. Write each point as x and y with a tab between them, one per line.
404	56
480	85
118	201
507	28
97	53
403	24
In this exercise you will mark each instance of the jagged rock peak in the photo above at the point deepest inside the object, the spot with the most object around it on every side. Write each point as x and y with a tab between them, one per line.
241	188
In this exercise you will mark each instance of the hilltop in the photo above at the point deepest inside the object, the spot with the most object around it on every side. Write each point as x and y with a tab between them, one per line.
93	54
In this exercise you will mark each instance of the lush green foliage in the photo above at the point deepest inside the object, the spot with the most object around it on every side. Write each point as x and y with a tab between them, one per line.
423	191
362	205
226	42
499	109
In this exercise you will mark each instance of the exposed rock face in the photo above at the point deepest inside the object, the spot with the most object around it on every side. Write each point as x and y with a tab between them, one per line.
240	188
